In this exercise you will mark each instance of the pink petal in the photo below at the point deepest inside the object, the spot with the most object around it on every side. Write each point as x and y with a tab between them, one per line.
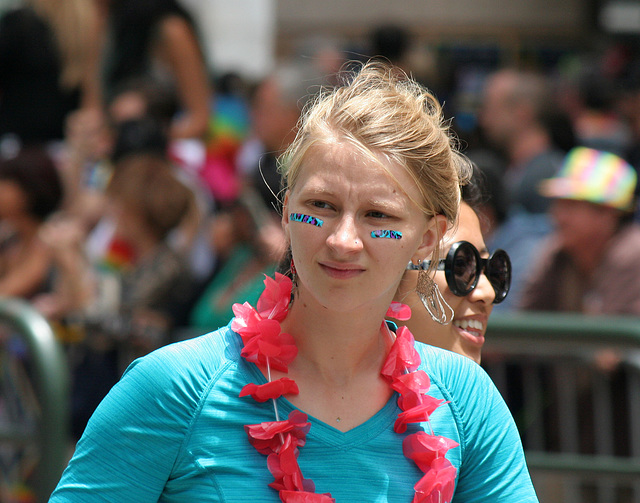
270	390
305	497
423	448
283	465
269	344
275	299
266	437
417	414
438	483
412	387
269	348
417	381
246	319
399	311
402	357
269	437
288	456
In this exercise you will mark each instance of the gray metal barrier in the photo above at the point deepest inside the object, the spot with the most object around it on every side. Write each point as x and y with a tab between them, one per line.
572	383
34	405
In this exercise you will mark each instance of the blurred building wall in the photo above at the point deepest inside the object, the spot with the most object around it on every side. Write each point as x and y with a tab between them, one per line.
249	35
238	36
483	15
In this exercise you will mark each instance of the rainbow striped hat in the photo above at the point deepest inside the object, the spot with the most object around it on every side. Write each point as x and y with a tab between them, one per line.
595	176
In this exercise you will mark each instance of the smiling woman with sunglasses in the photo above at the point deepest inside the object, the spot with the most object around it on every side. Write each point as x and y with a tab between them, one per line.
464	266
471	282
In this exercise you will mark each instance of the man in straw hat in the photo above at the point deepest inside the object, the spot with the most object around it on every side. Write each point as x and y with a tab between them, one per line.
590	262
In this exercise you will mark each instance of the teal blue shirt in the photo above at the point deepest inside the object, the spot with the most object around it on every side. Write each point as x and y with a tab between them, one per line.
172	430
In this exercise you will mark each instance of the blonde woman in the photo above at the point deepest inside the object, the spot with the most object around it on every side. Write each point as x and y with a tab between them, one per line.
311	395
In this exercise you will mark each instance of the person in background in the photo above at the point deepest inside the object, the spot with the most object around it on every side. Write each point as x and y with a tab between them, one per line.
244	259
592	101
391	43
49	53
158	39
139	119
30	192
276	106
228	129
122	311
149	275
513	118
470	279
589	264
311	395
514	109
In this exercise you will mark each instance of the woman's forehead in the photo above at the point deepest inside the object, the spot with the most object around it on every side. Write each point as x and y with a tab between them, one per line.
341	164
467	228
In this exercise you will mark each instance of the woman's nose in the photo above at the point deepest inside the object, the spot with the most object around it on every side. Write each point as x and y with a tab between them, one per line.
484	290
345	236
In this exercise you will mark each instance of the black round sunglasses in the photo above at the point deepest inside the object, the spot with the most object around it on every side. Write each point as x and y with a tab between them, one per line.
463	266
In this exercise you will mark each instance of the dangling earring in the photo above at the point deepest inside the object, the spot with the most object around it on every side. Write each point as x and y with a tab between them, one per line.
294	279
432	299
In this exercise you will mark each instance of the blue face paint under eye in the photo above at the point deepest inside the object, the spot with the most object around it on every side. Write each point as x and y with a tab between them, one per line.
386	234
306	219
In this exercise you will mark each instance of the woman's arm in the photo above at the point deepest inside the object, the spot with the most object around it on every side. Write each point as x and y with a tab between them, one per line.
131	443
179	48
26	276
493	464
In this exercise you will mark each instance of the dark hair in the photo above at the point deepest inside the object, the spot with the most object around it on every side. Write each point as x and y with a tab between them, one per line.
472	192
389	42
147	183
485	194
133	27
161	101
487	186
137	136
34	171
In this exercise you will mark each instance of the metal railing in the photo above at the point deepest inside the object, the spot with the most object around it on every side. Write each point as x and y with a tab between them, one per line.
572	383
36	391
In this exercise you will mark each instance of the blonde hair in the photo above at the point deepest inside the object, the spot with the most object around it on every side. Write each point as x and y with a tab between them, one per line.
383	112
73	23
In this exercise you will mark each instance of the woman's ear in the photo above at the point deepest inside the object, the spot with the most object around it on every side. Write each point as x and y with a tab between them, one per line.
434	232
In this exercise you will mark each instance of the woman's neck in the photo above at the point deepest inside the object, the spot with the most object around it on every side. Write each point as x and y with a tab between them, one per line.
336	346
340	356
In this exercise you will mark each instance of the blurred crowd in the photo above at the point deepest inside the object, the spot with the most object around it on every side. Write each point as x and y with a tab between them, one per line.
140	192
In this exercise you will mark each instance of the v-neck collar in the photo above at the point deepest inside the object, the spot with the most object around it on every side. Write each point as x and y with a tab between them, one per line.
327	434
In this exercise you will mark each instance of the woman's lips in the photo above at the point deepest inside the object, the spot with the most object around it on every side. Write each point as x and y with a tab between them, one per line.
341	271
471	330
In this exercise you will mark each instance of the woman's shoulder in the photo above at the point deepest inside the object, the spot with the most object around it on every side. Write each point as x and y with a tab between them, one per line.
171	382
208	350
196	361
444	360
459	378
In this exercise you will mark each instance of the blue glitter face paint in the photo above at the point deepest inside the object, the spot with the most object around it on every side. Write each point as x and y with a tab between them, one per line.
386	234
305	219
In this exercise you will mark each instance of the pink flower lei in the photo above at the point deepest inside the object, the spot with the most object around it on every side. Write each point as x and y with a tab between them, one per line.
280	440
